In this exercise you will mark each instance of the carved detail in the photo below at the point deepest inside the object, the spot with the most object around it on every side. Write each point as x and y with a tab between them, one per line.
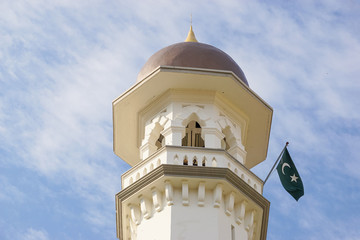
240	212
169	193
176	159
201	194
145	207
217	195
252	232
213	162
156	197
251	220
229	203
185	193
135	214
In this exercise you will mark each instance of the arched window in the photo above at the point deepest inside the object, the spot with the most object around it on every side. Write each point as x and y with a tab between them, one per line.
193	135
214	163
224	144
160	142
176	159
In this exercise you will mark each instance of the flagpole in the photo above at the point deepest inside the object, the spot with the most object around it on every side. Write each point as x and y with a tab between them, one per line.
272	169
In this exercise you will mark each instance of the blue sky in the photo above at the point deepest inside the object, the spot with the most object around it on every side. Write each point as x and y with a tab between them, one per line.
63	62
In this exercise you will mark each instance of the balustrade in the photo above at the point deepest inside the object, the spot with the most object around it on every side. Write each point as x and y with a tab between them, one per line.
191	156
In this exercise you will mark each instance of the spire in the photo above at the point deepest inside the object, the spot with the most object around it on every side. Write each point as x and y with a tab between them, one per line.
191	36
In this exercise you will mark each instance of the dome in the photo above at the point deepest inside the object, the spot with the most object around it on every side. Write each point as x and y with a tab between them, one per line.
192	54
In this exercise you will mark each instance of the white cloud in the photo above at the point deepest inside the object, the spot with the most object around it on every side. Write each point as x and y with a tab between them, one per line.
33	234
9	192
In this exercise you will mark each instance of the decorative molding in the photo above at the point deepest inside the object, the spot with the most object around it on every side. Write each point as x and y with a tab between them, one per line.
251	220
252	232
185	193
135	214
145	207
157	199
217	195
240	212
166	170
201	194
169	193
229	203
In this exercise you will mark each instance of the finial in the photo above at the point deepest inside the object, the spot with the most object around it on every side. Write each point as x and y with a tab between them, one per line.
191	36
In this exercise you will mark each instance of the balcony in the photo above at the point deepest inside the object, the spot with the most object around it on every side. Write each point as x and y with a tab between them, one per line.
194	157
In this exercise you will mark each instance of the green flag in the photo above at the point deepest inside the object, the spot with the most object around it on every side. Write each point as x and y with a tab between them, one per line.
289	176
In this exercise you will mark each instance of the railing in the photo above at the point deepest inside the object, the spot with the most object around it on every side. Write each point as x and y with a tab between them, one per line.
192	156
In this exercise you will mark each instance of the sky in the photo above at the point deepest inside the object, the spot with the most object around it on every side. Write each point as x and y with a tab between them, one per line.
63	62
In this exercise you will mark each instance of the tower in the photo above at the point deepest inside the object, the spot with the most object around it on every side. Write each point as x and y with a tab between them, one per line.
191	128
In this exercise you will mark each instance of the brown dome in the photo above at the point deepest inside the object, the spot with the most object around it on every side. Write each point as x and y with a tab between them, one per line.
192	54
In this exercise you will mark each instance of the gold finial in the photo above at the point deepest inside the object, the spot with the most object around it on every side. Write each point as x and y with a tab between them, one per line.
191	36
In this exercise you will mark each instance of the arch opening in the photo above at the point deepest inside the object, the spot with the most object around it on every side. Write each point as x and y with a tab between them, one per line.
195	163
185	162
203	162
229	140
192	136
160	142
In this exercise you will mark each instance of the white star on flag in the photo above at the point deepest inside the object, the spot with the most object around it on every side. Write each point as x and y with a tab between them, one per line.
294	178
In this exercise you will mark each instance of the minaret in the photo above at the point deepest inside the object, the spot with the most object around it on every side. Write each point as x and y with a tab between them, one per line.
191	129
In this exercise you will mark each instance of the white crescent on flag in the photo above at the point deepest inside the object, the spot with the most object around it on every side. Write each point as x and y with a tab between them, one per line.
283	166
